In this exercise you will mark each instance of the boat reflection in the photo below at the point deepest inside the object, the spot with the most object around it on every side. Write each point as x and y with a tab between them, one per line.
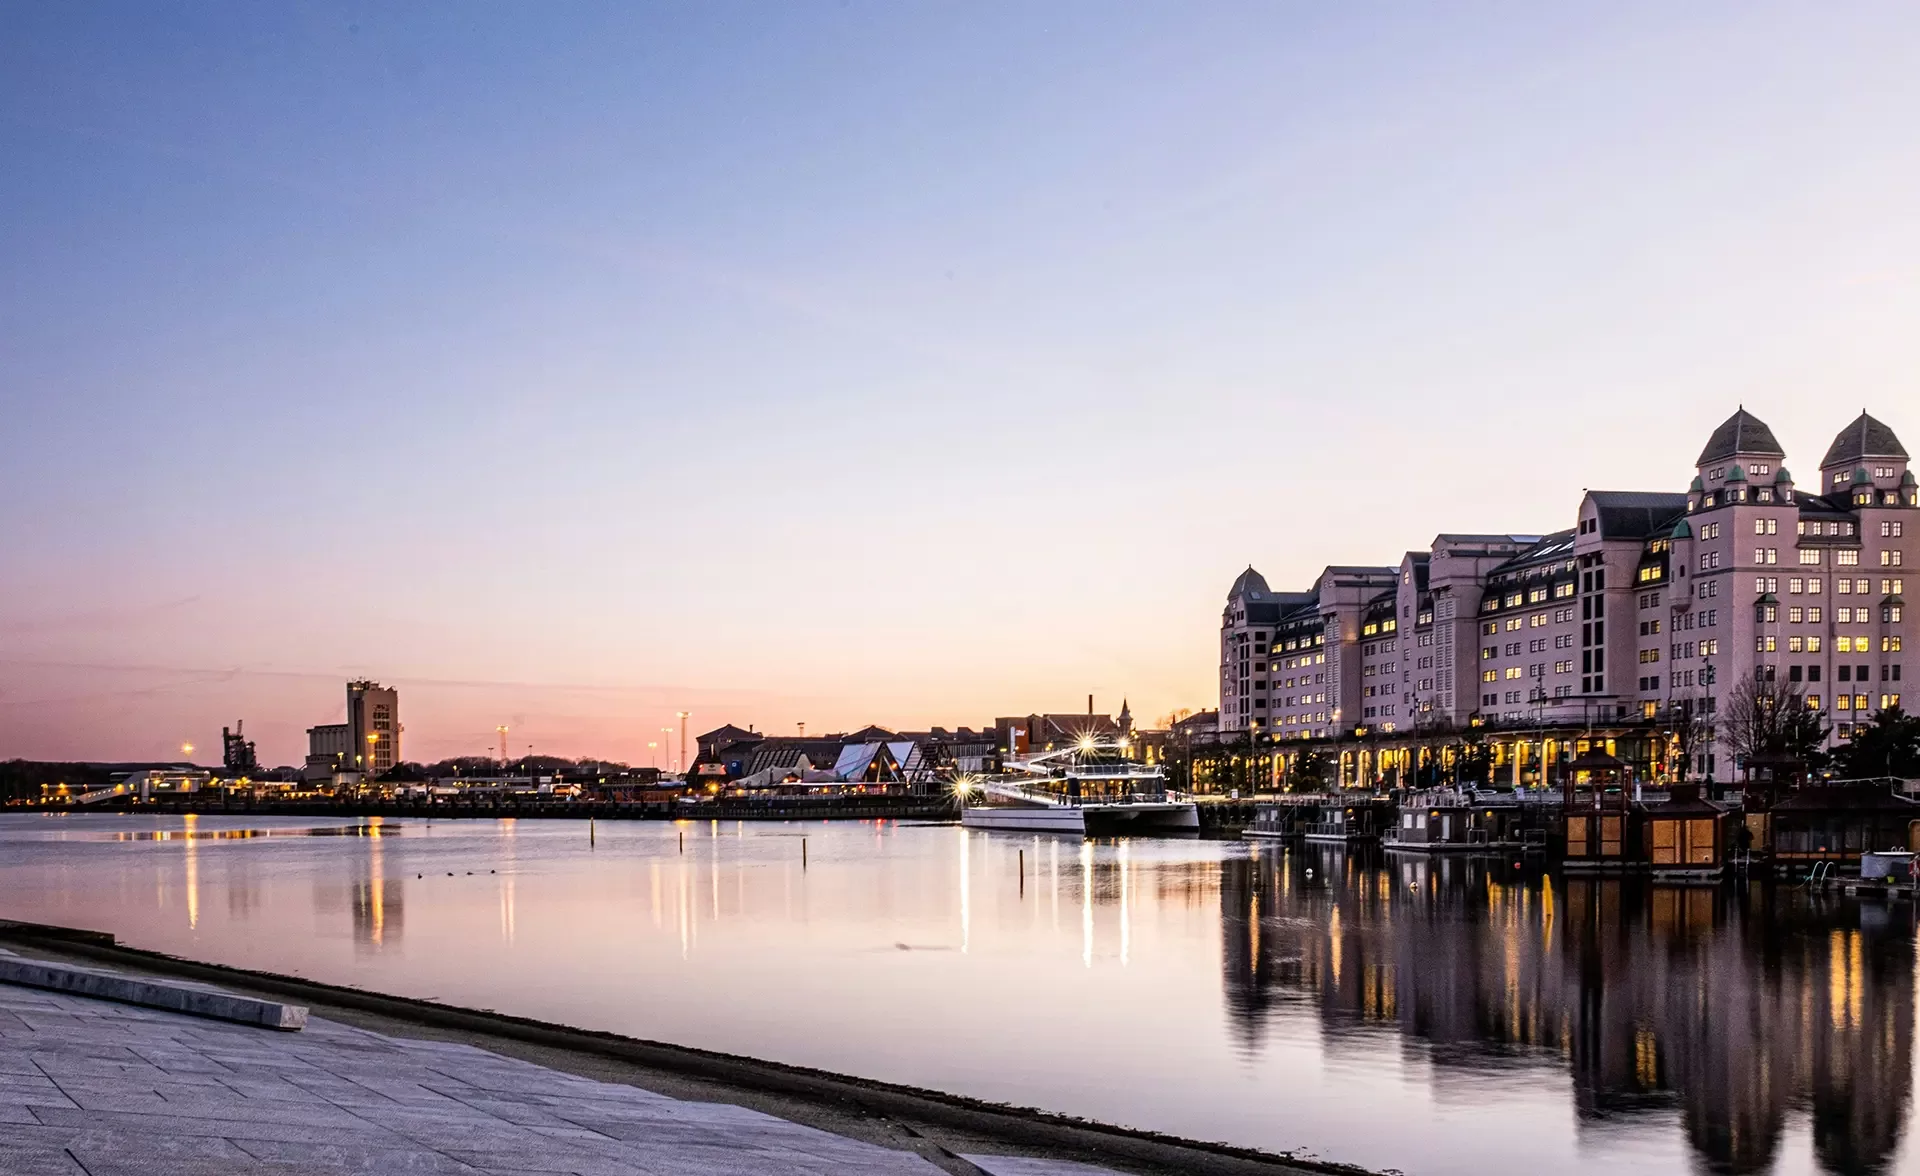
1736	1008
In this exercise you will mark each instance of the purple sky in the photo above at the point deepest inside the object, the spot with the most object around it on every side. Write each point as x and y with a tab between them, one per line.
567	367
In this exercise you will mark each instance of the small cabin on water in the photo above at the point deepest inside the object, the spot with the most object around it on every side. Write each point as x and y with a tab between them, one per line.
1602	822
1687	836
1838	822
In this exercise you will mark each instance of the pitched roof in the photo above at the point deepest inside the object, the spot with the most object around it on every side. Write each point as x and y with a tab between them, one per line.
1249	582
1546	549
1865	437
1637	514
1741	433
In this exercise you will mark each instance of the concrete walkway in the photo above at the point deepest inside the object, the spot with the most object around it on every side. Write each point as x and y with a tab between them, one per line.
93	1088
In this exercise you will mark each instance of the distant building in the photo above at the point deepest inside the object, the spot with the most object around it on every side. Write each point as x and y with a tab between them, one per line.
237	751
1024	734
369	739
329	750
871	756
373	720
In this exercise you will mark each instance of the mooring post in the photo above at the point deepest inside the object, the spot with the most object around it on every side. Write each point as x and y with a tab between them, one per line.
1023	872
803	853
683	841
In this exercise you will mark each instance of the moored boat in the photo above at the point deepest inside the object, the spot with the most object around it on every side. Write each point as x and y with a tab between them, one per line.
1091	788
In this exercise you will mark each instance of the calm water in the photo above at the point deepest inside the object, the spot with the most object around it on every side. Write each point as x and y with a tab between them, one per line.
1434	1017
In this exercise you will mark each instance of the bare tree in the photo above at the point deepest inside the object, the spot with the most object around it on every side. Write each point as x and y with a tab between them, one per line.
1770	717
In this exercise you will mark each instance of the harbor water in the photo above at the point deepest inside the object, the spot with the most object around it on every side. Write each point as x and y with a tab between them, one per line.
1427	1015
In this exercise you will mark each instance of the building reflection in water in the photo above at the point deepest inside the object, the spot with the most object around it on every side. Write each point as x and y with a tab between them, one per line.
377	901
1735	1007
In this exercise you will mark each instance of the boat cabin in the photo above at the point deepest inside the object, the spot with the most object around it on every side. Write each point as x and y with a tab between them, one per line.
1438	820
1686	836
1602	822
1838	822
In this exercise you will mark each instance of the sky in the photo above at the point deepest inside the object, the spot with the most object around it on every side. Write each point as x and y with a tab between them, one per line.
569	366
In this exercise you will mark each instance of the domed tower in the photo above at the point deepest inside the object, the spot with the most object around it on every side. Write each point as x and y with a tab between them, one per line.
1741	453
1865	447
1243	646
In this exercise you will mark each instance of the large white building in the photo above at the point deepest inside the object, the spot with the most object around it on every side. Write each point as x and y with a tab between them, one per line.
368	741
1648	608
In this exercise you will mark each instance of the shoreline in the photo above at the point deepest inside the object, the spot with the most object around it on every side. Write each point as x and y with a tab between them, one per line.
842	1103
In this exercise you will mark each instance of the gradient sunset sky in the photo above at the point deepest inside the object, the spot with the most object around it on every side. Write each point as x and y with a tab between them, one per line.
569	365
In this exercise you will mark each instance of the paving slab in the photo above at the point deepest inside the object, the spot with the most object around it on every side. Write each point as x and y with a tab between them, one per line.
90	1087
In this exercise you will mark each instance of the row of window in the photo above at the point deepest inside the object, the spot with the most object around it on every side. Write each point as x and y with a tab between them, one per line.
1843	615
1814	586
1842	673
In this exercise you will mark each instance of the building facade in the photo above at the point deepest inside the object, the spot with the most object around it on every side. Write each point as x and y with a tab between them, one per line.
368	741
1639	617
373	724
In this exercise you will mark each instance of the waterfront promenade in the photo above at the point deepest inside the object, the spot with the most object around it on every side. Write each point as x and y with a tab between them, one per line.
95	1088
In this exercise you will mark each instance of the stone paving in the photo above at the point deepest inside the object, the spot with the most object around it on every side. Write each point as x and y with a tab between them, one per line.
92	1088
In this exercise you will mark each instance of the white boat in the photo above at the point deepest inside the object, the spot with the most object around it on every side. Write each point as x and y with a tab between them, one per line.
1089	788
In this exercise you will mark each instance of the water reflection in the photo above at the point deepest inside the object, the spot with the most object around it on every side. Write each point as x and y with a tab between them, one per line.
1734	1007
193	833
1444	1017
379	903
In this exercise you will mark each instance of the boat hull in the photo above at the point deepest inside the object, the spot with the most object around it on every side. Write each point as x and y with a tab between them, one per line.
1082	820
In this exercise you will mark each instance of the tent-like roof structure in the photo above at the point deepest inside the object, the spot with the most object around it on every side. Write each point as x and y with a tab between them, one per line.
1250	584
1864	438
1741	433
